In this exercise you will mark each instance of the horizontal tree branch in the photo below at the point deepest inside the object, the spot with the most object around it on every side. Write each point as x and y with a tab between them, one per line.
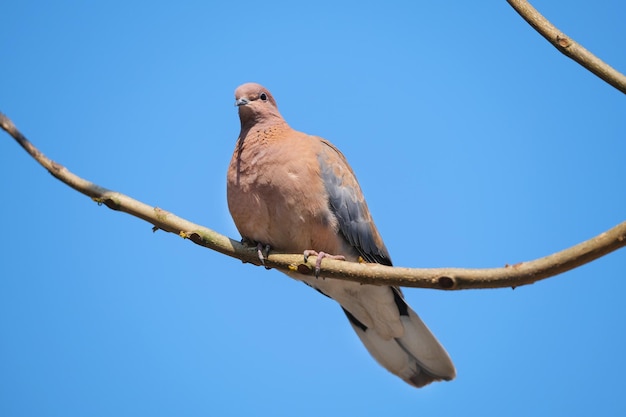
568	46
438	278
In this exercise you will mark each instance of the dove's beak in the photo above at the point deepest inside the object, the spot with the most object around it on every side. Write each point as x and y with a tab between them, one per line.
241	101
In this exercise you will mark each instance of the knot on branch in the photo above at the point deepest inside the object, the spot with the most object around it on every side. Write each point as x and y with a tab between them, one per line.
195	238
446	283
563	41
110	202
302	269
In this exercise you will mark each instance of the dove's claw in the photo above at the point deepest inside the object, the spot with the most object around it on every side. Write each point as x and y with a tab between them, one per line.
320	256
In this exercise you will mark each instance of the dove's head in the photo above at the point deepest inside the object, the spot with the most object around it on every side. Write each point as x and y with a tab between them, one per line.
256	104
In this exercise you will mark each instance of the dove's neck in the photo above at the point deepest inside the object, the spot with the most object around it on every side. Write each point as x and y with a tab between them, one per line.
255	121
255	116
263	132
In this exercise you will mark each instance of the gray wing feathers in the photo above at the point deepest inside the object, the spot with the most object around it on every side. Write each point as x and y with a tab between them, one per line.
390	330
347	203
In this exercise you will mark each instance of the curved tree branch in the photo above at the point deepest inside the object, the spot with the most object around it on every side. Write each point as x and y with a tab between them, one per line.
438	278
568	46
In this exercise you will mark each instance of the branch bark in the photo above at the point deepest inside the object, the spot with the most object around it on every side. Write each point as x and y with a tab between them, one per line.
437	278
568	46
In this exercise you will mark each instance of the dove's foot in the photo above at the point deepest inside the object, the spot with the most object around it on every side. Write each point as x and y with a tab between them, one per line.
320	256
262	251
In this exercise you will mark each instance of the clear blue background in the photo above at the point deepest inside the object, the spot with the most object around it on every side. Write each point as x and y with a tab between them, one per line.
477	144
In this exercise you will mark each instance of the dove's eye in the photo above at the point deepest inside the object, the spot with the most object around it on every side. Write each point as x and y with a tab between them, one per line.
263	96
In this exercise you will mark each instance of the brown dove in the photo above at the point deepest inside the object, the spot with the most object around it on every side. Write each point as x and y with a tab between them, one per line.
296	193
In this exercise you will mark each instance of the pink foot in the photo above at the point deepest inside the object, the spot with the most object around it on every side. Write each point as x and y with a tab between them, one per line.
262	252
320	256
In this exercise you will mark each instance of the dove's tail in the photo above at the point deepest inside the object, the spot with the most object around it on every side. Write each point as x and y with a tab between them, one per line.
416	355
390	330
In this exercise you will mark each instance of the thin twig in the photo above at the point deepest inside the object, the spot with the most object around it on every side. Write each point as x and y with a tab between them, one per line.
568	46
438	278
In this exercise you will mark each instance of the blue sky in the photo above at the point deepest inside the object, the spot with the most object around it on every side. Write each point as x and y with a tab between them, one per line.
476	143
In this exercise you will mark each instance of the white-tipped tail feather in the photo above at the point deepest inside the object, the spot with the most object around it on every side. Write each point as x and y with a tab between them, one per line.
417	356
390	330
